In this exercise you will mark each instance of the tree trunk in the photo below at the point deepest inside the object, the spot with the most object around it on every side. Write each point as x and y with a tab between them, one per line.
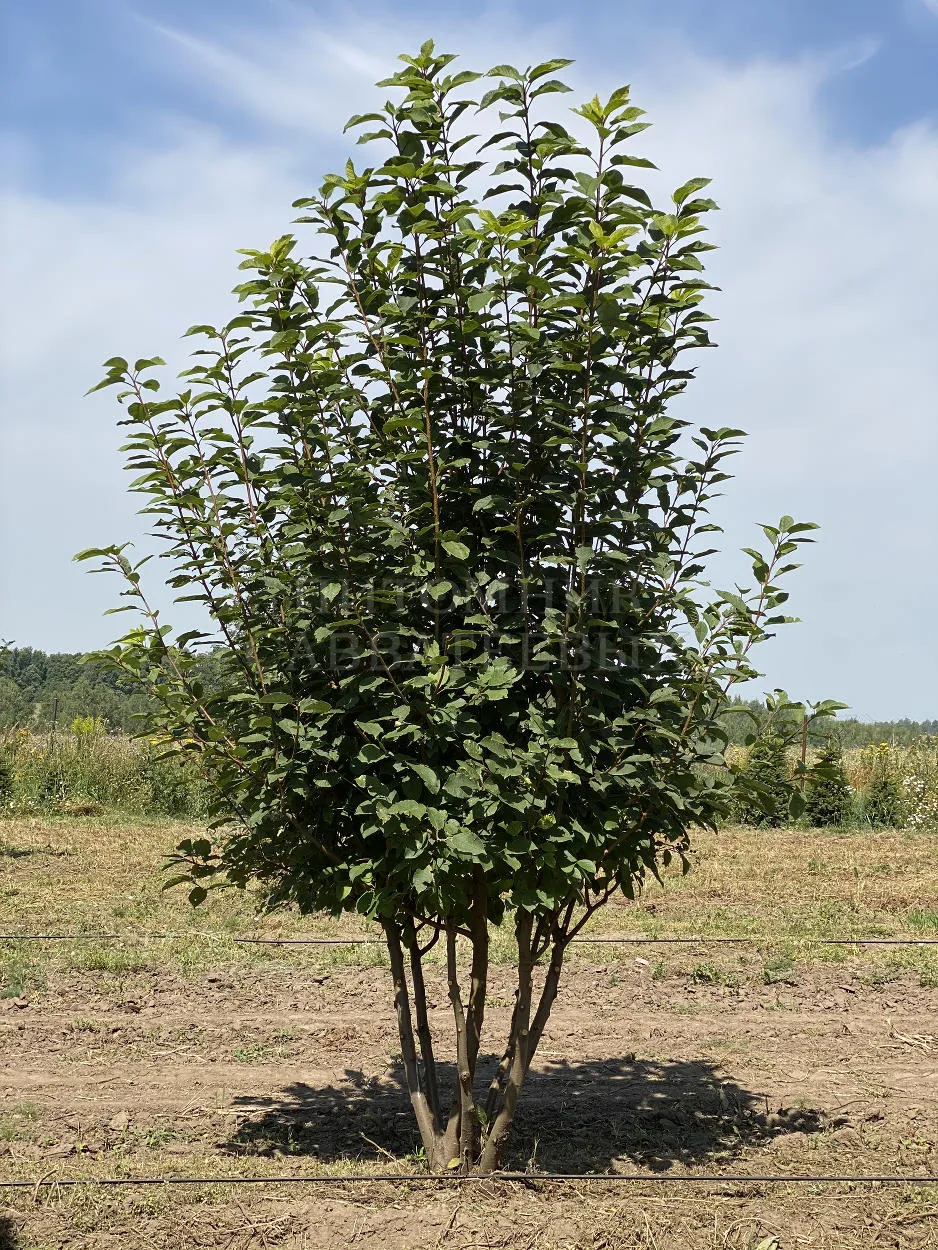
418	1099
475	1145
430	1082
467	1118
518	1043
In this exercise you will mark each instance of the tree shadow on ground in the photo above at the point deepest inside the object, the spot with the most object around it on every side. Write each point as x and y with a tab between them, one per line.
590	1116
9	1237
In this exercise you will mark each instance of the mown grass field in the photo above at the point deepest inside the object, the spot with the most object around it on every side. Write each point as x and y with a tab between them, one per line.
194	1054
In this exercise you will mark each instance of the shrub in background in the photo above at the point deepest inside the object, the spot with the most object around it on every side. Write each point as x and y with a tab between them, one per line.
6	775
881	802
828	797
89	767
918	785
766	792
176	783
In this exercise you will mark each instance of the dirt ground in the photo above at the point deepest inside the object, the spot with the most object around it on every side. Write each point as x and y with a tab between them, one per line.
199	1058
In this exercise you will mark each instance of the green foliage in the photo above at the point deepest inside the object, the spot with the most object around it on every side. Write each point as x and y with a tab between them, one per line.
882	795
37	688
901	733
743	715
428	488
765	795
918	784
6	775
15	706
829	798
94	770
17	974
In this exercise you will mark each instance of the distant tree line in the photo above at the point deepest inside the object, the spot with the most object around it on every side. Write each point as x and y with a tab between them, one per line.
36	688
745	716
39	690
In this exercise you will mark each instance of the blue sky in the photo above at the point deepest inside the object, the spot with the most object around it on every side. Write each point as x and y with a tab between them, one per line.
143	142
81	76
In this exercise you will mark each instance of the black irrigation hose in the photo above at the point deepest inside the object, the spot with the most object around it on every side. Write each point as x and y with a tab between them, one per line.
762	939
756	939
116	937
637	1178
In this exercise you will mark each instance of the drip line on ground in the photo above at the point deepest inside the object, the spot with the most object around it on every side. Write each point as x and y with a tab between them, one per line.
525	1178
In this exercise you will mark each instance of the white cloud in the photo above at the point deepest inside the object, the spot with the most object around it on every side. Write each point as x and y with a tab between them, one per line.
311	76
827	325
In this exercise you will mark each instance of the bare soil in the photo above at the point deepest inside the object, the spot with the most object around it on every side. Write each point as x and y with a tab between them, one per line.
287	1073
198	1057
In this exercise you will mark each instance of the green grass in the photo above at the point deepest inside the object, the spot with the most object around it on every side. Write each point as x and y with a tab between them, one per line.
923	920
278	1048
102	957
19	974
17	1123
101	874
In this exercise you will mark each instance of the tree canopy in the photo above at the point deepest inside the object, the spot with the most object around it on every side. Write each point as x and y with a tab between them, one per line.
429	489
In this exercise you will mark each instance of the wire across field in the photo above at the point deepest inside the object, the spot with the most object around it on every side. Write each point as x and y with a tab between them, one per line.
626	939
755	1042
449	1178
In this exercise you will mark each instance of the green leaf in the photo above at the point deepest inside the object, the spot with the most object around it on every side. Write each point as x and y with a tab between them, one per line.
466	843
694	184
546	67
478	300
428	777
458	551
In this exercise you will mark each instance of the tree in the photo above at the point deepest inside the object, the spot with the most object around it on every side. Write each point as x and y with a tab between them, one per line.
765	794
15	707
829	799
451	540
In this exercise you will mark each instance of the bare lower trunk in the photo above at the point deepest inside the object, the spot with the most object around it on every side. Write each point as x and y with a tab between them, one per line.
418	1099
522	1045
467	1138
466	1105
518	1044
430	1082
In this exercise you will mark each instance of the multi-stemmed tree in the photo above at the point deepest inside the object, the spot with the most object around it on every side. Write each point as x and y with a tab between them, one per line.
451	539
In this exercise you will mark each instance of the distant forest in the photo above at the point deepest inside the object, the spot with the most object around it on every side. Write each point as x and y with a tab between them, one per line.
37	689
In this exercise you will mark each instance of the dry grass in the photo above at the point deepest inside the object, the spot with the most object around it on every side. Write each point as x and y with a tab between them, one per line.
491	1217
103	875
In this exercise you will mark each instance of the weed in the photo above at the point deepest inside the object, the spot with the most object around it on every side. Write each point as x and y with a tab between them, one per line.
707	974
16	1123
775	969
157	1137
85	771
263	1052
18	975
90	957
83	1025
923	920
